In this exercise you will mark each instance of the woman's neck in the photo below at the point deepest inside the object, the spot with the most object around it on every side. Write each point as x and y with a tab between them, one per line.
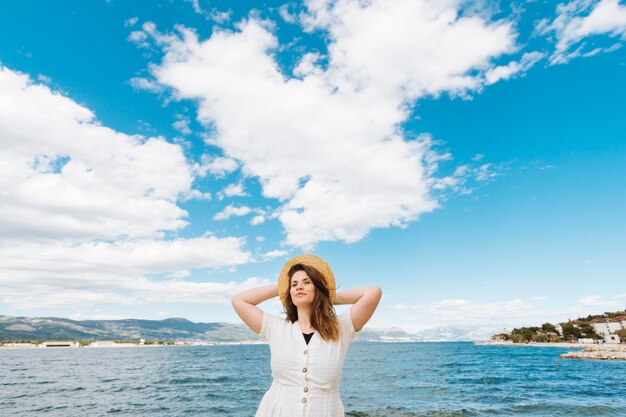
304	319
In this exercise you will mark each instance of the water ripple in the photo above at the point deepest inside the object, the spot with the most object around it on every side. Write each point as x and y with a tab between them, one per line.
380	380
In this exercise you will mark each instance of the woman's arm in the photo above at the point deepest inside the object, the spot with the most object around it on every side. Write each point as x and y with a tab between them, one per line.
364	300
245	303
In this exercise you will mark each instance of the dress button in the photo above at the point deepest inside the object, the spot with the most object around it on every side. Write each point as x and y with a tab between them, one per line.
304	370
306	389
306	352
303	400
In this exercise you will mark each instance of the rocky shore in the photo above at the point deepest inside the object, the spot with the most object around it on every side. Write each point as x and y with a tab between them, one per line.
605	352
588	351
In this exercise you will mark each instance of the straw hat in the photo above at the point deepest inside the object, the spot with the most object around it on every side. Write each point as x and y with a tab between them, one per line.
308	260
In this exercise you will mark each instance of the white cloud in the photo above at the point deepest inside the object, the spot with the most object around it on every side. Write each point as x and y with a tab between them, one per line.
136	291
196	195
182	125
580	19
599	301
49	275
218	166
501	314
131	22
96	316
233	190
467	177
214	15
459	310
274	254
322	144
84	209
230	211
220	16
196	6
513	68
139	38
139	83
286	14
36	261
44	79
258	219
65	176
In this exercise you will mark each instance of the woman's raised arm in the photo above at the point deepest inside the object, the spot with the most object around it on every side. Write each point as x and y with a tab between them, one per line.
245	303
364	300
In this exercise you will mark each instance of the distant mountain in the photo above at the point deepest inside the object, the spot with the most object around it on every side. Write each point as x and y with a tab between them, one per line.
174	329
386	335
459	333
171	329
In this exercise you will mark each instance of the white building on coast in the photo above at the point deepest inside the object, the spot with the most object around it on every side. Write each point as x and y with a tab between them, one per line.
60	344
606	328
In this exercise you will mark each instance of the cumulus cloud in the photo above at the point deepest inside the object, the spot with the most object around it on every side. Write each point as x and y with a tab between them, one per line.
581	19
463	310
460	312
322	141
233	190
230	211
274	254
258	219
218	166
513	68
85	209
288	15
182	125
501	314
132	292
600	301
64	275
219	16
467	177
139	83
63	175
131	21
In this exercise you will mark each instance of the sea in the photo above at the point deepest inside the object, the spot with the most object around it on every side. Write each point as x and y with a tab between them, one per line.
379	379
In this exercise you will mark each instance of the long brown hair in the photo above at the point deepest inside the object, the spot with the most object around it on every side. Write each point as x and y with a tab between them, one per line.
323	316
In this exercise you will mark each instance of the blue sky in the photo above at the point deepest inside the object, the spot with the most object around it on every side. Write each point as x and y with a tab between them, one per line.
466	156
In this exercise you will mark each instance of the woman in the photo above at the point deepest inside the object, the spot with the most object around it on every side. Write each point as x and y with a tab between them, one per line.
309	347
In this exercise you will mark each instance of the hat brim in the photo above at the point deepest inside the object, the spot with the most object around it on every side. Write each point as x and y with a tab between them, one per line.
308	260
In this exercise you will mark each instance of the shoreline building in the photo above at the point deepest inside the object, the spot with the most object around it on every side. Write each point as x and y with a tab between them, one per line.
606	328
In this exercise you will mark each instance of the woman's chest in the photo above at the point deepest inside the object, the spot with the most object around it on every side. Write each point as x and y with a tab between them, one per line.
294	358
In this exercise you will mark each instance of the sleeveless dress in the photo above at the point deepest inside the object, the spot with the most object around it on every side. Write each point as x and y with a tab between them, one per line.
305	377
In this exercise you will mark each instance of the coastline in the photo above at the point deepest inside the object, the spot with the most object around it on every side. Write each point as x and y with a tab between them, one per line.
137	345
589	351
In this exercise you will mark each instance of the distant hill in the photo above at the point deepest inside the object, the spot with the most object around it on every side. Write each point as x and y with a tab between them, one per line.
458	333
175	329
171	329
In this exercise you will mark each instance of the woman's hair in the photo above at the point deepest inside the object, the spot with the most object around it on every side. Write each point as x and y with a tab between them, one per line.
323	316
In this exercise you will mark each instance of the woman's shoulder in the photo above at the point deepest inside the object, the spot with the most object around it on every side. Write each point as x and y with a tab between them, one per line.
346	325
272	323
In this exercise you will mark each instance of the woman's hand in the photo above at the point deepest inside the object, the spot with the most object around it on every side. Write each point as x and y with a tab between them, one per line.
365	301
245	303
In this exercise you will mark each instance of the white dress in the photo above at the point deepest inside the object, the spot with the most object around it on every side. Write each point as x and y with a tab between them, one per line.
305	377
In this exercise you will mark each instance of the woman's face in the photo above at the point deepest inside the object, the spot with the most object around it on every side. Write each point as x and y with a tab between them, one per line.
302	289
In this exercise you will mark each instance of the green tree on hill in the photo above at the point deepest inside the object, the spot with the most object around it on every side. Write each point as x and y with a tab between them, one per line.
573	331
524	334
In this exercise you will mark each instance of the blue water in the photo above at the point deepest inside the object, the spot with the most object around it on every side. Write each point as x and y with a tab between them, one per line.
386	380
